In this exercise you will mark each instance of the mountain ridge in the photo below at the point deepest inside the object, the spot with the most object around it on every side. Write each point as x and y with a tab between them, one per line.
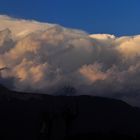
31	116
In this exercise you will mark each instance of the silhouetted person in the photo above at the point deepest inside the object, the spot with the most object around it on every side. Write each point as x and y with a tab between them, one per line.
55	124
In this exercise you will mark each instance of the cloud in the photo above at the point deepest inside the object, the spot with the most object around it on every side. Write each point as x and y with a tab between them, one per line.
93	73
43	57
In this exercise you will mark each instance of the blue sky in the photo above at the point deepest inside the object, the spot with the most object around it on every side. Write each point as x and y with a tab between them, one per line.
119	17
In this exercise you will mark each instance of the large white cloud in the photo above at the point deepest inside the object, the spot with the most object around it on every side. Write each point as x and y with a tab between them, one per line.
43	57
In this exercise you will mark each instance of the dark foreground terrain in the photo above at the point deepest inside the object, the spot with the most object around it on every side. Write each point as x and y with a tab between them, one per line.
25	116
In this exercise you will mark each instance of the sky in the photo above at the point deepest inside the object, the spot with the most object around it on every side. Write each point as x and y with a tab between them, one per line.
119	17
45	57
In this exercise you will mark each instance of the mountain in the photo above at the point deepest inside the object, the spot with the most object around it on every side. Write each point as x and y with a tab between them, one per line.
32	116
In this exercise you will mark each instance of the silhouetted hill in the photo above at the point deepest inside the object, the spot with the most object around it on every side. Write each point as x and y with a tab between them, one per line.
32	116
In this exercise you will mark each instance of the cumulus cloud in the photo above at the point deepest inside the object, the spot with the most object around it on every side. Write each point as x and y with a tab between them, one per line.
43	57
